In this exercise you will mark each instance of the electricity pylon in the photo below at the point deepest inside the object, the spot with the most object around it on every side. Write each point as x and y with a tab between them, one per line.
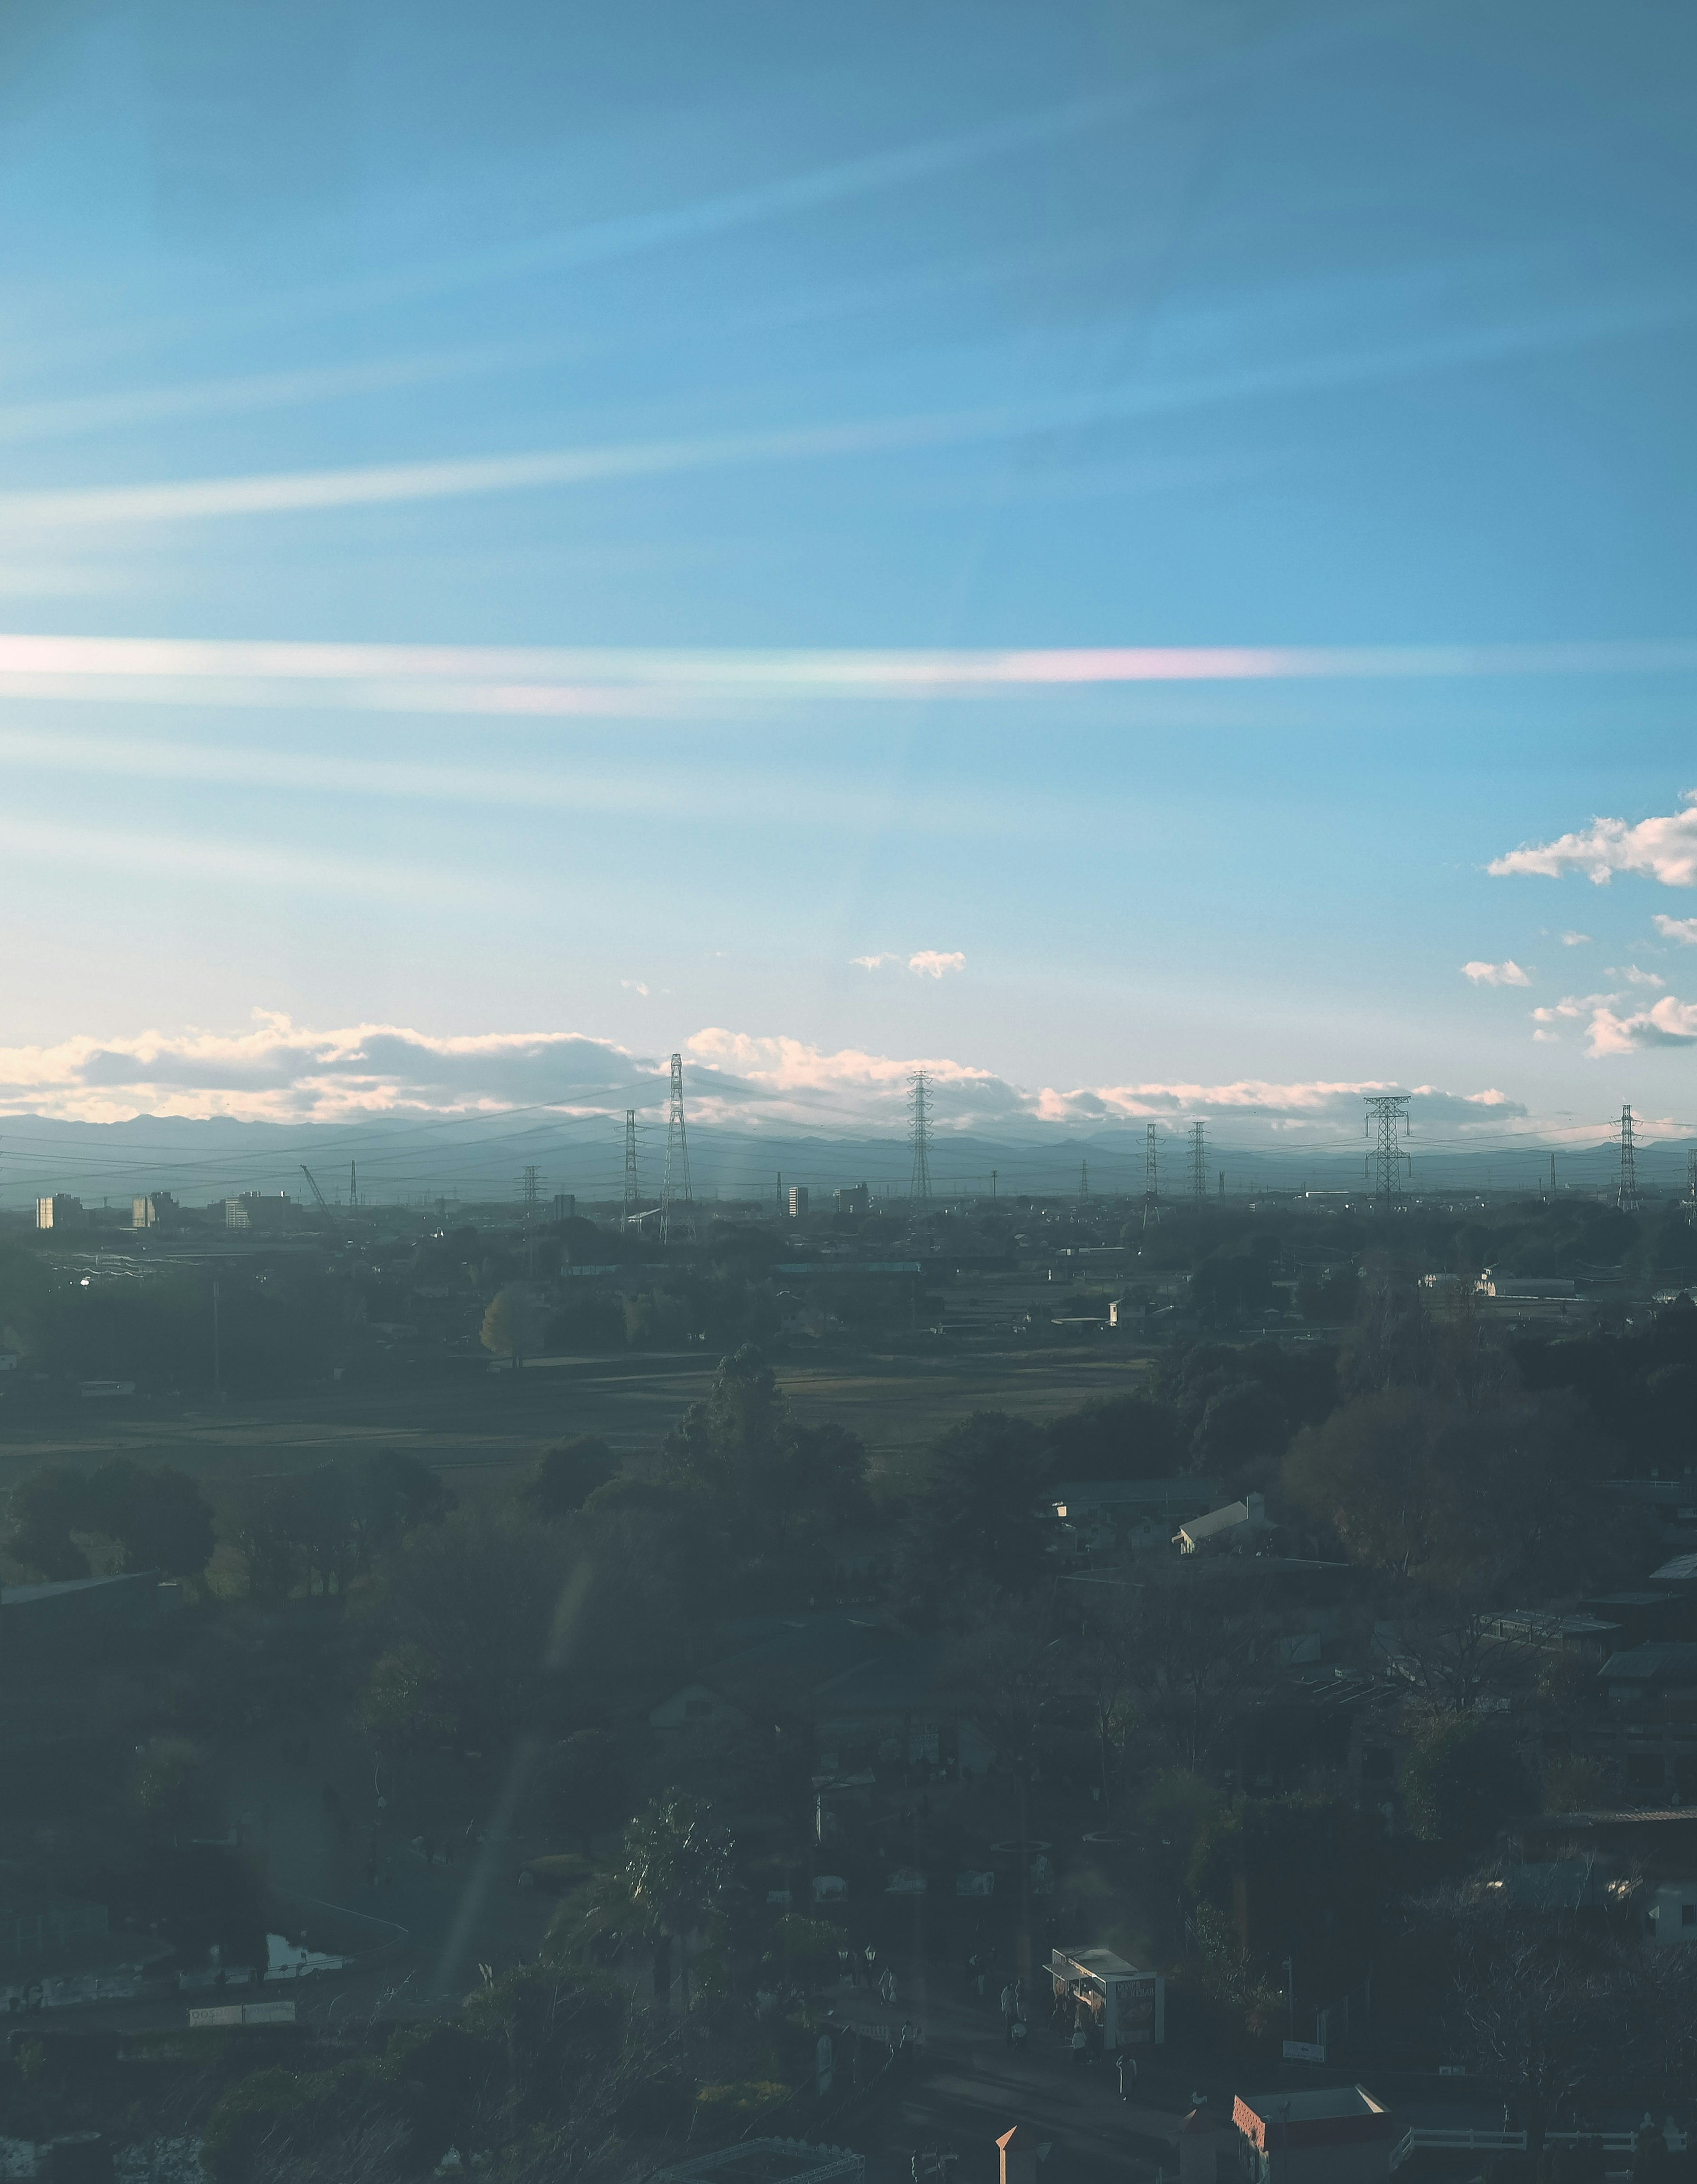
1199	1164
1151	1178
1388	1113
918	1127
630	1166
1628	1201
677	1226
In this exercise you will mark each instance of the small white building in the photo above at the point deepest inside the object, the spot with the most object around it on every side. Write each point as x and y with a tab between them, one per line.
1232	1528
1129	2006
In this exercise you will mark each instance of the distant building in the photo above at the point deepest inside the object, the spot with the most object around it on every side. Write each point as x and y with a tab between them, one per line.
1232	1528
1338	2135
566	1205
60	1212
856	1198
157	1209
798	1201
257	1210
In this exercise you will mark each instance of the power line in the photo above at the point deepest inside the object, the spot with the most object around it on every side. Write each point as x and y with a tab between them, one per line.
919	1126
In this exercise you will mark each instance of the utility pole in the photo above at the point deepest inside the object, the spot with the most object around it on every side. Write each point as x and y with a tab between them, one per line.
1222	1186
675	1191
1151	1180
1199	1164
919	1112
993	1184
1552	1178
630	1166
780	1195
1691	1177
1388	1115
352	1183
1628	1199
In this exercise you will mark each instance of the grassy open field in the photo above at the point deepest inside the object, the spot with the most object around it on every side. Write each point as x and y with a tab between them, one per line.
896	1405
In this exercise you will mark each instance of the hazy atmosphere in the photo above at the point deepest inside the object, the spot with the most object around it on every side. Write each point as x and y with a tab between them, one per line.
847	1154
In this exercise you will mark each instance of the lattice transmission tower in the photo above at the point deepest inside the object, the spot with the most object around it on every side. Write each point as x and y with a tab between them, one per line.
918	1134
1151	1178
630	1208
1628	1199
1691	1177
1198	1163
676	1225
1387	1116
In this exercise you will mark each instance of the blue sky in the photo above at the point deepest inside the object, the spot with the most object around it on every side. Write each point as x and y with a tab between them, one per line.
754	345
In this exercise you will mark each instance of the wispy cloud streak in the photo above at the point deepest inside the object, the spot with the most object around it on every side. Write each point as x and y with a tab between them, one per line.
661	683
188	500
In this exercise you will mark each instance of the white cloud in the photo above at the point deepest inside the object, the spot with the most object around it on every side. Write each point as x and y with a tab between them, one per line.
277	1071
873	963
932	962
1577	940
1509	973
634	986
1682	929
1662	849
1547	1038
1634	976
281	1071
1666	1022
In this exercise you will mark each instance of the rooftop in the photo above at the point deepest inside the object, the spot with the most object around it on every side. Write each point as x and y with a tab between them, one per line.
1669	1662
1319	2106
1102	1962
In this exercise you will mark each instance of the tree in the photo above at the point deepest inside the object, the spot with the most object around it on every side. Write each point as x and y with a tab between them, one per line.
1240	1423
159	1518
502	1607
1463	1778
47	1508
1118	1437
392	1493
741	1446
673	1876
567	1475
1464	1498
738	1441
1557	2008
1188	1659
830	1461
404	1703
509	1328
982	1516
266	1536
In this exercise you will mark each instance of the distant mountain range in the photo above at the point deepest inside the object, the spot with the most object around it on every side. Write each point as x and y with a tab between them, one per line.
482	1159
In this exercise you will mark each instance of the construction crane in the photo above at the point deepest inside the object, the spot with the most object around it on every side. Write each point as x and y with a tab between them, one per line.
312	1186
